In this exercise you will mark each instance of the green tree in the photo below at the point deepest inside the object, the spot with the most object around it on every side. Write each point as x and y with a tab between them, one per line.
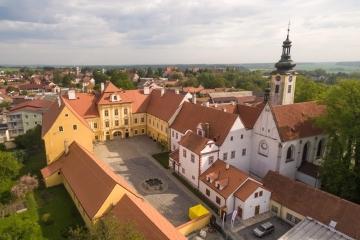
21	229
31	140
9	169
308	90
340	172
109	228
208	80
121	80
100	77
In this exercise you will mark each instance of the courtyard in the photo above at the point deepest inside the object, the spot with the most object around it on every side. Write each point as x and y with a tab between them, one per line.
132	159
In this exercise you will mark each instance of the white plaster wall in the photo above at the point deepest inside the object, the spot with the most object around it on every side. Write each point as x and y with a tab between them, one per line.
213	194
175	140
191	168
237	145
211	150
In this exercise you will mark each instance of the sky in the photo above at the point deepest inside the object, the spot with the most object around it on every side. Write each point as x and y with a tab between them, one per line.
116	32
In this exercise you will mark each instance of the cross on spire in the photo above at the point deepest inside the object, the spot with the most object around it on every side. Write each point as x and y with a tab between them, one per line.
288	30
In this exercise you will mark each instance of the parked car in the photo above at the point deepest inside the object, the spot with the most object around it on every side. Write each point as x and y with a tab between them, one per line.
264	229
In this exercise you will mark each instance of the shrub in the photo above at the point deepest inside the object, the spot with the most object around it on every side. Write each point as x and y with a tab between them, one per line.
47	219
26	183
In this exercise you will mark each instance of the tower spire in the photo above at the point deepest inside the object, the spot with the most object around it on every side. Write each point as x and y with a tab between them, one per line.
285	63
288	31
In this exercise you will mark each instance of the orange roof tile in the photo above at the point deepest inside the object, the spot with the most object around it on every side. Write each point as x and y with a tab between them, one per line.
50	116
312	202
164	106
34	104
194	142
146	219
296	120
247	189
90	179
84	105
191	115
235	178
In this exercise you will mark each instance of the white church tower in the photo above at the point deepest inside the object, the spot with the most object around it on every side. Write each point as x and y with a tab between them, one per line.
283	79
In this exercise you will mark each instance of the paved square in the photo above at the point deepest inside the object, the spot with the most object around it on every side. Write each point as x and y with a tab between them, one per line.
131	158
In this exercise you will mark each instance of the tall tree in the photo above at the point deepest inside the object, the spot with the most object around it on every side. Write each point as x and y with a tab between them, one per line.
340	173
308	90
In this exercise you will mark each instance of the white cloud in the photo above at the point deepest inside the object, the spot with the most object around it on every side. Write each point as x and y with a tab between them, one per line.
169	31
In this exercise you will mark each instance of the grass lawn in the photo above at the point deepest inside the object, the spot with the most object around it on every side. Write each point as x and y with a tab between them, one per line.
55	201
162	158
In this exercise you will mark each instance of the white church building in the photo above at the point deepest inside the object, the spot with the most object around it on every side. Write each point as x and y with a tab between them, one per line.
218	148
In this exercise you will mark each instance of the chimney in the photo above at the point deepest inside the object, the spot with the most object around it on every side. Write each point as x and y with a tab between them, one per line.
233	103
59	101
71	94
146	90
207	104
162	91
102	87
206	129
194	98
224	109
227	166
177	91
216	105
66	147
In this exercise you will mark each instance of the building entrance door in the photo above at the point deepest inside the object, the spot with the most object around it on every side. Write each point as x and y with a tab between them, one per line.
257	210
240	212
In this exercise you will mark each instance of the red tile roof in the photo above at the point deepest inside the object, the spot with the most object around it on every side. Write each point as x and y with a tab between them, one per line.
296	120
312	202
84	105
249	114
234	177
191	115
194	142
247	189
90	179
164	106
33	104
146	219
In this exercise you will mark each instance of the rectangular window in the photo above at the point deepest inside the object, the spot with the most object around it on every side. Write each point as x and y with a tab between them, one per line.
172	133
142	130
231	138
208	192
193	177
135	120
107	124
95	125
184	153
211	160
116	112
277	88
192	158
177	135
224	156
218	200
289	88
183	170
106	113
125	111
242	136
75	127
61	129
136	132
244	152
260	193
96	137
142	119
126	121
232	154
116	122
256	195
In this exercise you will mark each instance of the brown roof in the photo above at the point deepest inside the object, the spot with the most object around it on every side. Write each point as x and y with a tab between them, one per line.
296	120
164	106
33	104
193	89
312	202
90	179
145	218
193	142
84	104
248	188
235	177
191	115
249	114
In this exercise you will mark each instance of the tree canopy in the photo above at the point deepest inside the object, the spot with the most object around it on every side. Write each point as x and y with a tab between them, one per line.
308	90
340	172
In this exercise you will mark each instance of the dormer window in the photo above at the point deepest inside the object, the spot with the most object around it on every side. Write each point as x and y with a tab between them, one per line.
200	132
114	98
207	178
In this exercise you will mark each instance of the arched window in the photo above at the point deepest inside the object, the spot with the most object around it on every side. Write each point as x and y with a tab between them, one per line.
263	148
320	149
290	153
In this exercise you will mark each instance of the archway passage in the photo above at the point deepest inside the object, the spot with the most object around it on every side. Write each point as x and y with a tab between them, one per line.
305	152
117	134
